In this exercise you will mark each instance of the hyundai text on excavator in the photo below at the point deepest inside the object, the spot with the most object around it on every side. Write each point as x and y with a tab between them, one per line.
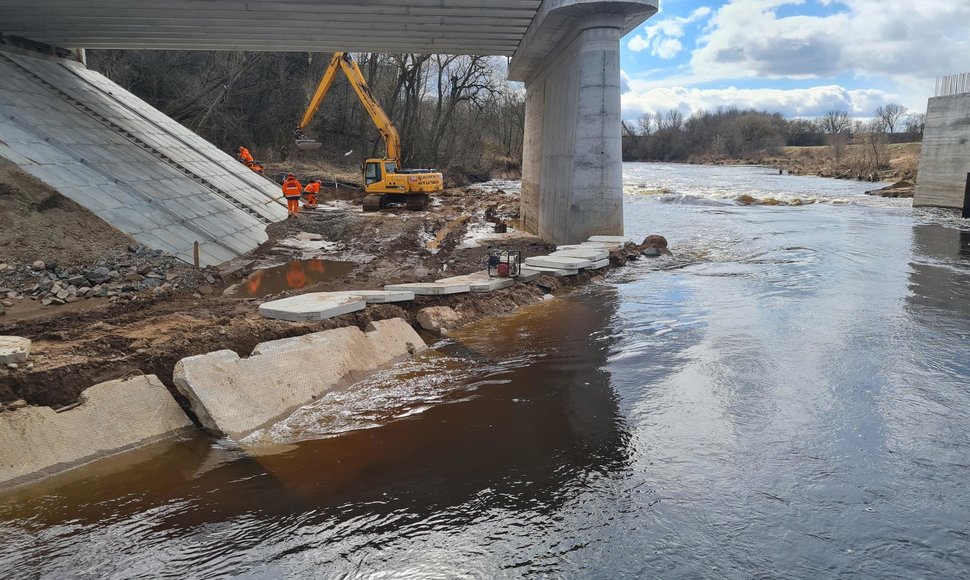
384	181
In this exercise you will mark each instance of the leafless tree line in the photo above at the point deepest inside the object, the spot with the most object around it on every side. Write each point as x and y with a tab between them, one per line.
452	112
734	133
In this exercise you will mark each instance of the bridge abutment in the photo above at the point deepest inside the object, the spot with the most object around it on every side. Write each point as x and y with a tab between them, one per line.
572	174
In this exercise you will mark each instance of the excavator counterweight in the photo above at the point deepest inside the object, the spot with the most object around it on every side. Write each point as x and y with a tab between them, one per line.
384	181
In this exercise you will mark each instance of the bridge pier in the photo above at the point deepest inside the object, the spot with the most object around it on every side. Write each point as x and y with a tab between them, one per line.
572	174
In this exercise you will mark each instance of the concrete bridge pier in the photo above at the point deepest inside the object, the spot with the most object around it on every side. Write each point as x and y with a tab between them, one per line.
572	174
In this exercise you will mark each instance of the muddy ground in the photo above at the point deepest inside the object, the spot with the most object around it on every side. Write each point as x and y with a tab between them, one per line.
76	347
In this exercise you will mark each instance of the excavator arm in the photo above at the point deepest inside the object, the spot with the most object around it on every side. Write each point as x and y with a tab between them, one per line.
344	61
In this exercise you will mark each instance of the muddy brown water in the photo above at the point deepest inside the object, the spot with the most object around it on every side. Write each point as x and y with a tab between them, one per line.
787	398
290	276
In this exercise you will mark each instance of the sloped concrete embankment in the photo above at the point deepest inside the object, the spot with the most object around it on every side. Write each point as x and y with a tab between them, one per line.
127	162
235	396
111	417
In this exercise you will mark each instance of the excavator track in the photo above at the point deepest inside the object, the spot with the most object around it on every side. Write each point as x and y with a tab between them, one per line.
374	202
417	202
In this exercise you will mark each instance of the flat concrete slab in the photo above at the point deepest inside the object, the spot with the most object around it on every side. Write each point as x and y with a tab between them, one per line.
430	288
560	262
599	265
592	254
313	306
112	417
527	275
609	239
14	349
379	296
537	271
479	282
235	396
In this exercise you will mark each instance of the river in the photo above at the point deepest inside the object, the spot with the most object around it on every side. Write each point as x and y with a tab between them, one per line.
787	397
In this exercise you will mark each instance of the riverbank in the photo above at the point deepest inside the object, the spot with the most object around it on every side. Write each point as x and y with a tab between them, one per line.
148	330
902	164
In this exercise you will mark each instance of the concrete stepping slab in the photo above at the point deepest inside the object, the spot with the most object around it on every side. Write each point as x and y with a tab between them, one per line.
313	306
610	239
378	296
558	272
479	282
236	396
527	275
14	349
560	262
430	288
604	245
592	254
112	417
600	264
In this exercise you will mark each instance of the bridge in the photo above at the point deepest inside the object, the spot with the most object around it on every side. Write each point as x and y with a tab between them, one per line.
566	52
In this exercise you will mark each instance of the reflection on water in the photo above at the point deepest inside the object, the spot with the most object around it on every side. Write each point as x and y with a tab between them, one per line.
292	276
787	398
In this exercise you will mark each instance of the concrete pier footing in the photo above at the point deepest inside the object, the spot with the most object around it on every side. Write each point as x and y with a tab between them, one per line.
944	163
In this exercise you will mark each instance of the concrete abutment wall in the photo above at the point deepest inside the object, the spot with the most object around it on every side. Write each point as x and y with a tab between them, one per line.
945	159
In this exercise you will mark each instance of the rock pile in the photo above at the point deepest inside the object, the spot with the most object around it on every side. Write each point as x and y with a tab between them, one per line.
140	270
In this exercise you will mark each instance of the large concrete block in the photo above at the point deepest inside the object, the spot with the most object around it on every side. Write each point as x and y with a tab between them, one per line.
313	306
944	162
533	272
236	396
379	296
14	349
112	417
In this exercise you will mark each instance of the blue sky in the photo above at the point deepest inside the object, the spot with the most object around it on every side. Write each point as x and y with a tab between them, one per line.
801	58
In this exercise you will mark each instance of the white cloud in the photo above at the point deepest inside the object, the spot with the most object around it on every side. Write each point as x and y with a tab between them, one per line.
868	38
662	38
809	102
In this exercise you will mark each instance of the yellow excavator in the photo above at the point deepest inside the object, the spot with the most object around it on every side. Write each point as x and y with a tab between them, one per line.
384	180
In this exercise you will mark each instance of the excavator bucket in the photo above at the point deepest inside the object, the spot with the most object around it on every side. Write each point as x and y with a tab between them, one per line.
308	144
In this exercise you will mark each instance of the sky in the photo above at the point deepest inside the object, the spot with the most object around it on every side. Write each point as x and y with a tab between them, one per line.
801	58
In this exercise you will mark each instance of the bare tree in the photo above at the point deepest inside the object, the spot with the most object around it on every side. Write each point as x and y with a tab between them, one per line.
889	115
915	123
835	123
644	125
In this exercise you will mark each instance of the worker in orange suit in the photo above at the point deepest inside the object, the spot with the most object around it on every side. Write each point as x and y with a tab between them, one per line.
292	188
245	157
310	194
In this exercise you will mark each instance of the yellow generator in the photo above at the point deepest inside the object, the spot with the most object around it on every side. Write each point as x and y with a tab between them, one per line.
384	181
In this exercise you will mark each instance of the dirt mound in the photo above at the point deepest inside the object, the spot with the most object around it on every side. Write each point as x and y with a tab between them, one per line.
41	224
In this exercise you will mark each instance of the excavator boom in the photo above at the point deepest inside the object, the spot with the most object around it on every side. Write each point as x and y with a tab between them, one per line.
343	61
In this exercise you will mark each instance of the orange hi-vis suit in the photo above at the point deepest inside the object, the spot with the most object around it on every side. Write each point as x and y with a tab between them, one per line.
245	156
291	191
310	191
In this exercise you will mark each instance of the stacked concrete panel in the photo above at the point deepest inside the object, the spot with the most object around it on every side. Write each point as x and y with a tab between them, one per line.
141	183
945	158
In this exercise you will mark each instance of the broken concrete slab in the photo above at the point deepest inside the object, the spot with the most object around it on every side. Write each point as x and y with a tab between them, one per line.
610	239
599	265
112	417
438	319
313	306
592	254
379	296
536	271
560	262
235	396
430	288
14	349
480	282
